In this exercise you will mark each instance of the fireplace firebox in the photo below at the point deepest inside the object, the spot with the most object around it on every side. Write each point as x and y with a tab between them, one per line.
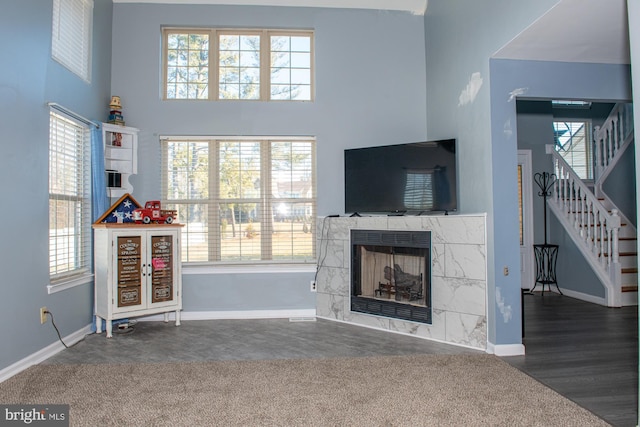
391	274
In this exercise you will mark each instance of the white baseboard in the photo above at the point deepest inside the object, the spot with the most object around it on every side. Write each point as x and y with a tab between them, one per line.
584	297
248	314
503	350
43	354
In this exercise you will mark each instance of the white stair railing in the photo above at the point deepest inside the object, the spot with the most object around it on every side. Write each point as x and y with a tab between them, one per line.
592	228
612	138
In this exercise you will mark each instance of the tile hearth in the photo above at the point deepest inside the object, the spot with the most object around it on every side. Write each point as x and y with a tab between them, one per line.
458	269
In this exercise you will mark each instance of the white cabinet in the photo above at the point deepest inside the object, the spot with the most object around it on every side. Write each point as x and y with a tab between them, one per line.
137	271
120	158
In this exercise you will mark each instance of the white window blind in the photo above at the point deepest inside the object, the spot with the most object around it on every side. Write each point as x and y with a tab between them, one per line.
418	191
574	144
243	200
69	199
71	35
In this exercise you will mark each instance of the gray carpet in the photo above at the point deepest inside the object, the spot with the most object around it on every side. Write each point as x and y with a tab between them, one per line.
424	390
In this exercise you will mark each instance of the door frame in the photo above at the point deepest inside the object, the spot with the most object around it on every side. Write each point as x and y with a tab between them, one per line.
527	273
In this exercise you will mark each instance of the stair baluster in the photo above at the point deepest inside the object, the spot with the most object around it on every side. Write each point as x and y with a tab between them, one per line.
580	212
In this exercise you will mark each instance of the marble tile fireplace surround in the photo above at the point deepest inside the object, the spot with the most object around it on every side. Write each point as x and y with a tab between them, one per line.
458	275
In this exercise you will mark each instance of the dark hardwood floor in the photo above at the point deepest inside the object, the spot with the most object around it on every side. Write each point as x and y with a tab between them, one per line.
586	352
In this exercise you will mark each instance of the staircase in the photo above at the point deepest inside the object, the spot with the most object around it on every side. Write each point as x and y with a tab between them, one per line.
604	236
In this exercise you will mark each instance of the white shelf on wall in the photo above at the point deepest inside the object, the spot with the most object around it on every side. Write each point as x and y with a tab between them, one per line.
120	158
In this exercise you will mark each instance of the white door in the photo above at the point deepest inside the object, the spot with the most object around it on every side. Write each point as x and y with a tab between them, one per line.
525	213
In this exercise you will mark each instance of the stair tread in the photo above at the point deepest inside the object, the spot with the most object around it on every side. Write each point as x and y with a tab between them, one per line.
622	224
629	288
619	238
623	254
630	270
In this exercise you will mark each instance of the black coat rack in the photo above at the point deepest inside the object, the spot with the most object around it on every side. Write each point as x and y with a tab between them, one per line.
545	181
546	254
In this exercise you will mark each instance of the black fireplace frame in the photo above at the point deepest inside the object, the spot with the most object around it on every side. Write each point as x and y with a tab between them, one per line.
404	242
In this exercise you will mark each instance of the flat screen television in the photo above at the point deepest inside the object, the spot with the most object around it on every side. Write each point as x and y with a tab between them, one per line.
414	178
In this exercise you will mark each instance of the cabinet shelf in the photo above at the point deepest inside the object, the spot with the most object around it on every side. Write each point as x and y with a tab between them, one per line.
120	158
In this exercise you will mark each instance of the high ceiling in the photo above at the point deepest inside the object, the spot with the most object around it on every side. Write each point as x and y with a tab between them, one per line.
593	31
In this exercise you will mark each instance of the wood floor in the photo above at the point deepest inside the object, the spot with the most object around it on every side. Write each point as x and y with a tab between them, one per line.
586	352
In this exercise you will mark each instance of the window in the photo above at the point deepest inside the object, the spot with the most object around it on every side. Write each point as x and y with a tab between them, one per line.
418	191
573	143
216	64
69	199
243	200
71	35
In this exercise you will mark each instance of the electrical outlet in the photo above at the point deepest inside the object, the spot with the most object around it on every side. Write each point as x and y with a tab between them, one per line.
43	315
312	284
506	271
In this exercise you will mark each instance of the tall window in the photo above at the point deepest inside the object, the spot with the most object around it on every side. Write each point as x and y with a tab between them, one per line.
71	35
216	64
573	143
69	199
242	199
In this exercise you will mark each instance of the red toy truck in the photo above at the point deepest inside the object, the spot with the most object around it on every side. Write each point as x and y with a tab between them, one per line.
153	212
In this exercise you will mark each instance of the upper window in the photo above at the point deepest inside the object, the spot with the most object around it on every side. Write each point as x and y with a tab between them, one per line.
242	199
71	35
573	143
214	64
69	199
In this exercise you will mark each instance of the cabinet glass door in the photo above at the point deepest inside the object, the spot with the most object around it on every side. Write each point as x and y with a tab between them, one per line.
128	271
162	269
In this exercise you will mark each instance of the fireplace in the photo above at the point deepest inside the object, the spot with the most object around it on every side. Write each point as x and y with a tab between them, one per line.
391	274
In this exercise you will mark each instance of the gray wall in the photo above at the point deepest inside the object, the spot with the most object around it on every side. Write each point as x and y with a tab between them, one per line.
461	36
370	68
28	79
471	97
620	185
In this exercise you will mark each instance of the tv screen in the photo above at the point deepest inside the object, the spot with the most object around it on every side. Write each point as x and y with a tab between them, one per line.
412	178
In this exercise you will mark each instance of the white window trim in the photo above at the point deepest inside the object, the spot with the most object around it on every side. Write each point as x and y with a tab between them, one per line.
53	288
254	266
194	268
70	280
265	52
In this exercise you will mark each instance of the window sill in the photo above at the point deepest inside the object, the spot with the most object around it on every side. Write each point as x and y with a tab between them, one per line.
52	288
247	269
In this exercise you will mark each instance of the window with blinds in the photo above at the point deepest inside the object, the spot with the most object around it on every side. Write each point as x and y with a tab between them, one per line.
69	199
244	200
573	143
418	192
71	35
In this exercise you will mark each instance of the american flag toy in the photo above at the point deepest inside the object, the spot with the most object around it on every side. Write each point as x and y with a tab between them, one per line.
121	211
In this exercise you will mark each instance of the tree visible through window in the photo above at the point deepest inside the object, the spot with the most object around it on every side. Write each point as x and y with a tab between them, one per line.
219	64
242	200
